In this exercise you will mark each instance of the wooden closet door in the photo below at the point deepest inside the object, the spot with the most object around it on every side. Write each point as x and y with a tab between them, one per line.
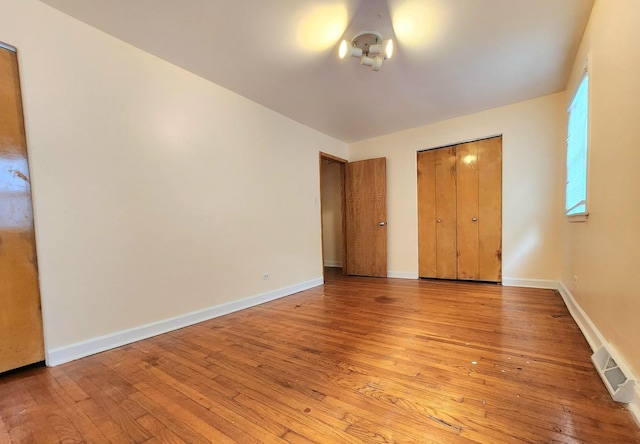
467	202
427	234
437	213
479	201
460	211
446	266
21	339
490	209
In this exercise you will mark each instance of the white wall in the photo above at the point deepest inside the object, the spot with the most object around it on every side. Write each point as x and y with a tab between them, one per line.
331	214
533	137
604	252
156	193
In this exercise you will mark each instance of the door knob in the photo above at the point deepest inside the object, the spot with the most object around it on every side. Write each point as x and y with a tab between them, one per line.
382	224
439	220
475	219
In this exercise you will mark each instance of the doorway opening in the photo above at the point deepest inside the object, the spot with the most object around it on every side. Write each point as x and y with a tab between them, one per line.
332	209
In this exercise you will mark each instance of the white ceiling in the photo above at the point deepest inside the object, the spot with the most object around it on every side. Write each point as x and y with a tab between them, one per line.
453	57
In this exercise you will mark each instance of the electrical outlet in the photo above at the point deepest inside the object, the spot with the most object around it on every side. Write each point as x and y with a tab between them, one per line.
575	279
266	276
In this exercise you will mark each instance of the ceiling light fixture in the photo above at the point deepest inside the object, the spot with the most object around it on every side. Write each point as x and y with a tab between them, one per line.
369	47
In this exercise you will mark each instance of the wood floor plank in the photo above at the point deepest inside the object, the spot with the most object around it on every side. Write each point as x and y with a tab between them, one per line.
58	427
354	360
310	427
110	417
159	431
294	438
206	392
4	432
69	409
23	424
176	412
230	415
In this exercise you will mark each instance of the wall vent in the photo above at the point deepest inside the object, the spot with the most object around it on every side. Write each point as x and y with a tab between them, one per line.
615	378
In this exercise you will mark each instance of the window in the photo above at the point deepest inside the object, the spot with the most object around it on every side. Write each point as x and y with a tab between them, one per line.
577	142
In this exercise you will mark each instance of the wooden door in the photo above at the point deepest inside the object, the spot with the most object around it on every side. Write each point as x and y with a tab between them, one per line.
437	213
446	217
490	209
467	207
427	228
21	340
366	217
479	202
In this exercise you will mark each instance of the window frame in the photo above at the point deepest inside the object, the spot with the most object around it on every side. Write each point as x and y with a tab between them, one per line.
582	216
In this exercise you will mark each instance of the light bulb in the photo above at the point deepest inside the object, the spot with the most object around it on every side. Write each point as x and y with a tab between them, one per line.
344	47
374	62
347	49
388	49
386	45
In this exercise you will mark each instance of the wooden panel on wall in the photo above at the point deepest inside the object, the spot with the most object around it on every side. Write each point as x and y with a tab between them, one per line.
446	267
467	198
21	340
427	214
490	209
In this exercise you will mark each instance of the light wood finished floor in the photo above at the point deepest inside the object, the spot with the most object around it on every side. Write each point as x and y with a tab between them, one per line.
356	360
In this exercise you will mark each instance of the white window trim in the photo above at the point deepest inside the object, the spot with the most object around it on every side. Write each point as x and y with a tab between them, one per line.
583	217
580	217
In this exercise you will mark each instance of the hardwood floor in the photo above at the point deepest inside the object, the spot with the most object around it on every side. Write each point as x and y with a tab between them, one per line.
355	360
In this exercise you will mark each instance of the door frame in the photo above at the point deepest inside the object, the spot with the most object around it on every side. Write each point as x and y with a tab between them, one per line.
448	145
343	204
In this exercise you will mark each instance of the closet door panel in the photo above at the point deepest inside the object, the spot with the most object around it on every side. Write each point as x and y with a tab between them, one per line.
490	209
21	337
467	198
427	214
446	222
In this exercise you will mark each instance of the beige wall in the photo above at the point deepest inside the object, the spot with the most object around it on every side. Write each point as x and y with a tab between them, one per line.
156	193
604	253
533	137
331	214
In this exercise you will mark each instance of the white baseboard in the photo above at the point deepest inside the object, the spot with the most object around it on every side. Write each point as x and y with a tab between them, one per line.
92	346
402	274
332	264
530	283
634	406
588	328
597	340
